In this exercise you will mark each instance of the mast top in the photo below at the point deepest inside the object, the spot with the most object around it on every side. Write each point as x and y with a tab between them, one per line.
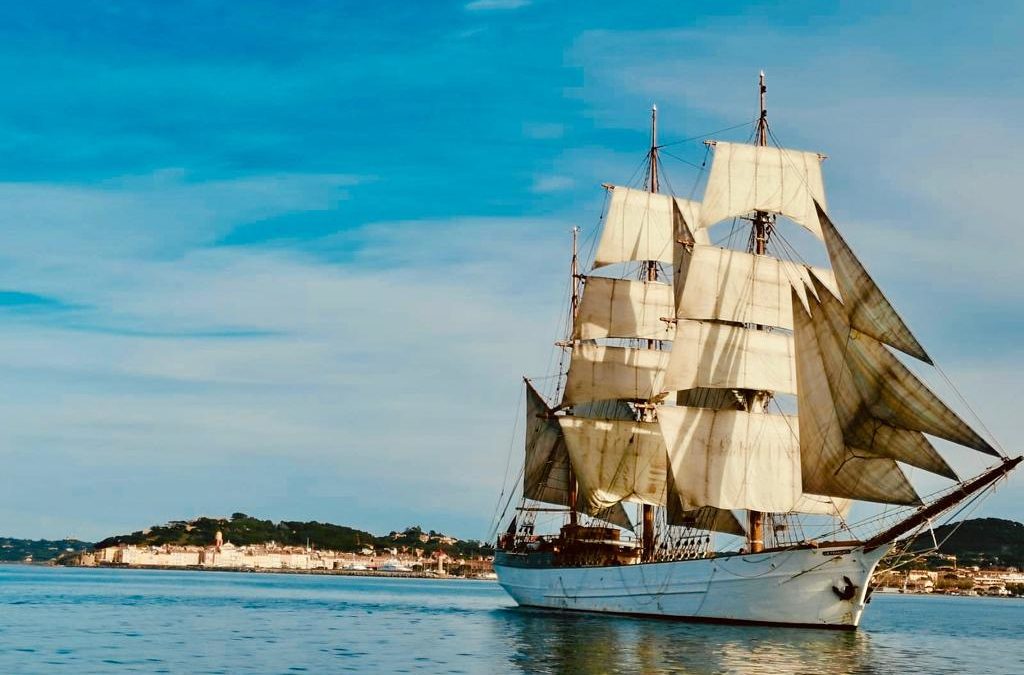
652	155
762	119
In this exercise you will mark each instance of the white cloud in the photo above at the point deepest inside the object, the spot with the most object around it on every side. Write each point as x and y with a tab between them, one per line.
487	5
552	183
405	350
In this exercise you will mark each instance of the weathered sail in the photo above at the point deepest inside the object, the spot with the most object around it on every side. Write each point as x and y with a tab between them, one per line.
620	308
703	518
747	178
641	225
822	505
828	465
867	307
887	389
600	372
721	284
612	409
721	356
546	475
686	217
616	461
732	459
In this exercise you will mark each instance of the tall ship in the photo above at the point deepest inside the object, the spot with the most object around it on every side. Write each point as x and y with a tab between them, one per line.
729	435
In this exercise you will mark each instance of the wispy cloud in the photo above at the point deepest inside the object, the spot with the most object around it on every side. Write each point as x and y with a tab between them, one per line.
187	353
365	245
552	183
486	5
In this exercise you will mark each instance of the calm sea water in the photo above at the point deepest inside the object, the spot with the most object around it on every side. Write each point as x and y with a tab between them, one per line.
84	621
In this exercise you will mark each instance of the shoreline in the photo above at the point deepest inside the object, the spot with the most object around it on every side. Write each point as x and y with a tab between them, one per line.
265	570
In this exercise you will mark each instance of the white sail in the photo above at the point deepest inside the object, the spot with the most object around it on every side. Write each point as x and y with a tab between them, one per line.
887	389
616	461
641	225
822	505
732	459
687	230
620	308
747	178
703	518
546	474
721	284
730	357
600	372
828	466
868	309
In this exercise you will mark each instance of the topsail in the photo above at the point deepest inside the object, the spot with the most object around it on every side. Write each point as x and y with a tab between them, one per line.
641	226
746	178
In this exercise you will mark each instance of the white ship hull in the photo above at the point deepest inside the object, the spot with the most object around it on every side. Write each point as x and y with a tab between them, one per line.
794	587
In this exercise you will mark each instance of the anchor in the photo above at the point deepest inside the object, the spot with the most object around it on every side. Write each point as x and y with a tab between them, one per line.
848	592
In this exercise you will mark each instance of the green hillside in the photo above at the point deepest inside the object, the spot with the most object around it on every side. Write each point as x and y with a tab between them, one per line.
17	550
242	529
985	542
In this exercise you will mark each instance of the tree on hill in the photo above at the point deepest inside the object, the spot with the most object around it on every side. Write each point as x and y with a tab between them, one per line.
980	541
242	529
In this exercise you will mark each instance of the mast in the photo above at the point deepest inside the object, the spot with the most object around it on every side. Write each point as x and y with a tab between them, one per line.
651	274
575	305
761	232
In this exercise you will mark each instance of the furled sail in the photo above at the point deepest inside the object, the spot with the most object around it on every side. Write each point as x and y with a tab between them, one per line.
641	225
747	178
729	357
620	308
546	475
732	459
612	409
600	372
721	284
869	310
616	461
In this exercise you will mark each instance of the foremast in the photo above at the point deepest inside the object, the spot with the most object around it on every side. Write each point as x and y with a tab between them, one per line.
574	313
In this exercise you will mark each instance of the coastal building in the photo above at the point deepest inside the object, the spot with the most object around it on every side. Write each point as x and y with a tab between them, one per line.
225	555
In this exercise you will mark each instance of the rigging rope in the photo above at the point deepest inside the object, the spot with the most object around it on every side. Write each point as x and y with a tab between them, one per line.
701	137
495	518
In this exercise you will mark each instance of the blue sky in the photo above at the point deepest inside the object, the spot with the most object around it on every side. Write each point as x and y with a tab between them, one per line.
293	258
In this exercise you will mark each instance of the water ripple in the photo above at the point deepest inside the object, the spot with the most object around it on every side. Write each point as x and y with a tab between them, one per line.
59	620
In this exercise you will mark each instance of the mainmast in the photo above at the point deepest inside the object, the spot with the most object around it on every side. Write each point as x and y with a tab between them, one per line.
651	274
575	304
762	230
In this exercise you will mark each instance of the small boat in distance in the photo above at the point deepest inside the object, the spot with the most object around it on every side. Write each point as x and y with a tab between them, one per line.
727	389
393	565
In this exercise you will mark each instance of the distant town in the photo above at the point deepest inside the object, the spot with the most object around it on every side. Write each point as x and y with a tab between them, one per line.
944	577
398	560
245	543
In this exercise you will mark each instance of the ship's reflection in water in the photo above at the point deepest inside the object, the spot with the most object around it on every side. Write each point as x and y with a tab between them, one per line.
541	641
